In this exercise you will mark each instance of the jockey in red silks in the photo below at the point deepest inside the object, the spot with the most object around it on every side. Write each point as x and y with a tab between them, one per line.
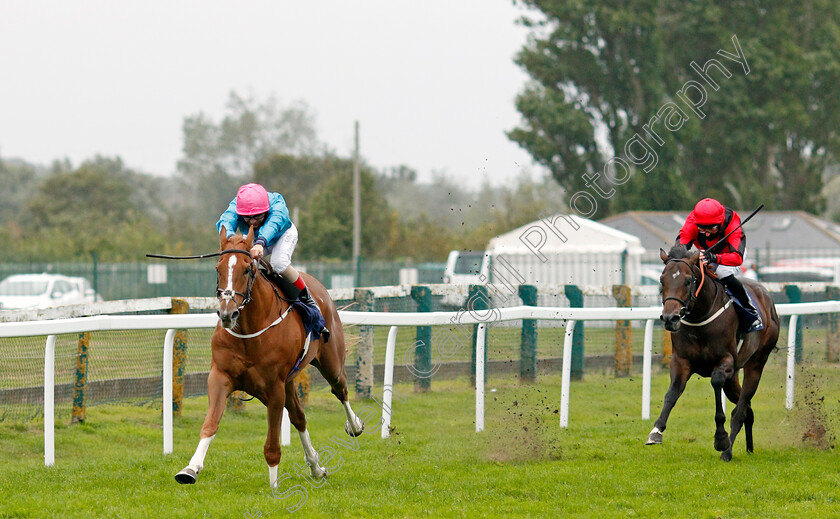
275	236
705	226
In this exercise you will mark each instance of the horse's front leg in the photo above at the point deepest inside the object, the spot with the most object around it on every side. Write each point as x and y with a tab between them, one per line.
680	372
276	402
219	387
724	372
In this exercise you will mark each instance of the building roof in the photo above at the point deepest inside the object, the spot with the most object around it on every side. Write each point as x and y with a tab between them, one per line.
584	236
773	230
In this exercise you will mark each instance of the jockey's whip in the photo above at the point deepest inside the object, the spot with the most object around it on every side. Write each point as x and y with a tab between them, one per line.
200	256
745	220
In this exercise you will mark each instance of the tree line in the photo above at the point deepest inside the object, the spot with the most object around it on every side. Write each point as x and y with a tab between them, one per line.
68	213
766	130
639	104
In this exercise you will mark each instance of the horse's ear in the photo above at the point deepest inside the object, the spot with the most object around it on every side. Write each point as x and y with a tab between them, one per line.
222	238
250	237
694	257
663	255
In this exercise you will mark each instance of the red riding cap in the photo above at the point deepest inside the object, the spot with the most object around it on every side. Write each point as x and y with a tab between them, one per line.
708	212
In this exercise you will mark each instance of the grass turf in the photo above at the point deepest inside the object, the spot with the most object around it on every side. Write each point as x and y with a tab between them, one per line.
435	465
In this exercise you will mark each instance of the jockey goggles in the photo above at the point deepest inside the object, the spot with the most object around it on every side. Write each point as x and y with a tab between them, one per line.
709	228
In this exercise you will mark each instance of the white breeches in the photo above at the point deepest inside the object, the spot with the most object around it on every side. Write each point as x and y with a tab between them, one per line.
281	251
724	271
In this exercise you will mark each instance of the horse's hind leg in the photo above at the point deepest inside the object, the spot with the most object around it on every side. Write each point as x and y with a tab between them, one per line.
218	389
332	368
298	419
743	414
732	388
748	426
680	372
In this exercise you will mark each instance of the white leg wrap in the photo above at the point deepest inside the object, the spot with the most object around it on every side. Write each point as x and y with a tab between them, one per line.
272	476
309	452
197	461
311	456
354	421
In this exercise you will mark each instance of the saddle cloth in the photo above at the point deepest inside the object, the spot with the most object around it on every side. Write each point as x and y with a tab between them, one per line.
313	320
744	314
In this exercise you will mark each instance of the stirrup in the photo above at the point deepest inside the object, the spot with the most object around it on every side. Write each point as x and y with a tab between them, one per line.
756	325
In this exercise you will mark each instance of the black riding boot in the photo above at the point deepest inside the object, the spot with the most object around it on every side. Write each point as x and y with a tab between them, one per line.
307	299
737	289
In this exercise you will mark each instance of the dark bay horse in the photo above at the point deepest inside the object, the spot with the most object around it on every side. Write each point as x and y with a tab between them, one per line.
256	348
704	330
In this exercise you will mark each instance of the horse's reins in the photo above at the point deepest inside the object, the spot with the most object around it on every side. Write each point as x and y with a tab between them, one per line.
228	294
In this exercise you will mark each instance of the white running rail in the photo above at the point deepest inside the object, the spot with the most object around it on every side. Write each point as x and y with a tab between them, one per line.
51	328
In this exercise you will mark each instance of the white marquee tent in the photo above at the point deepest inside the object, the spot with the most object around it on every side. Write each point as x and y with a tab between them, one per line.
563	249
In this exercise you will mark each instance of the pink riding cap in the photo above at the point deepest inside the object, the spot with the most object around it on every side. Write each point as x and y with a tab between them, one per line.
251	199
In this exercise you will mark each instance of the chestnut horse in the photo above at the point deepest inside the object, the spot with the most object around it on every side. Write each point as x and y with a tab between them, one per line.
258	347
704	330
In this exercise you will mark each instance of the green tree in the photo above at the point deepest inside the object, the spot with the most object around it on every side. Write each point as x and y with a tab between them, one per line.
218	157
326	226
19	180
298	179
94	208
767	135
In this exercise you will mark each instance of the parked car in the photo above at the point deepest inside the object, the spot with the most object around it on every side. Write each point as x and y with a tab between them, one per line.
44	290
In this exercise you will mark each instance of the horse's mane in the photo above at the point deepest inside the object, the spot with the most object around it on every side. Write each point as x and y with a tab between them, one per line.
680	251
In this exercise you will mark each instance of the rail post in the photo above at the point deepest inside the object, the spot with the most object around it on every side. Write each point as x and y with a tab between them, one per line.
179	359
667	348
364	349
575	296
832	343
795	296
478	300
79	409
623	334
423	345
528	341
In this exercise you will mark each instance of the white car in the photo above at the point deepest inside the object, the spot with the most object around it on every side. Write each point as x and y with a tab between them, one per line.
44	291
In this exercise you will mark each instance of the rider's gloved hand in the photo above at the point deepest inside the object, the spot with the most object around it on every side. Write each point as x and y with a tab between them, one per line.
257	251
710	257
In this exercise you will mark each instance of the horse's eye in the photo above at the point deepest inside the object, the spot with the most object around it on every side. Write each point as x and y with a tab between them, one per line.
687	282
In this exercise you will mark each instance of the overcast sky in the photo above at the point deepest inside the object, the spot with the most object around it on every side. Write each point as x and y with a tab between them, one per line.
432	83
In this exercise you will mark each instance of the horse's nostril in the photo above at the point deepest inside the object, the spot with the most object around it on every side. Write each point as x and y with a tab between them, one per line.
234	315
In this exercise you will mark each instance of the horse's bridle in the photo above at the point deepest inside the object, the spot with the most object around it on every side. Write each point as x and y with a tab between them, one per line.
687	306
252	275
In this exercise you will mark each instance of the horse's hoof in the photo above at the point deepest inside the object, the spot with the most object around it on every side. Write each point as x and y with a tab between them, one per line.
186	476
722	444
726	455
359	425
318	472
654	438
